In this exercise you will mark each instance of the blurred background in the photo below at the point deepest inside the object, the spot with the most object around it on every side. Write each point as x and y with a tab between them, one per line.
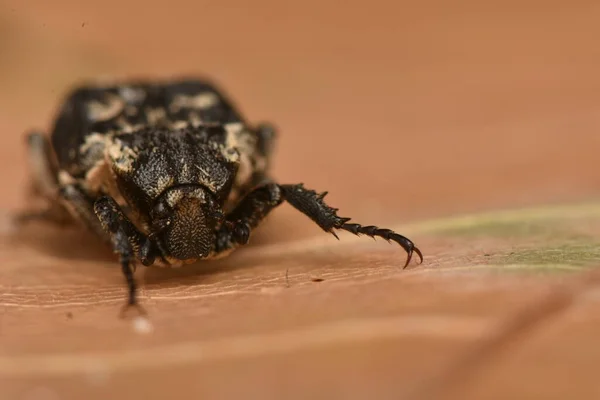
418	108
402	110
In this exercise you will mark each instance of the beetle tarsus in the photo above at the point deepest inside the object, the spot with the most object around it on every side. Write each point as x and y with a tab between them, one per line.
311	204
132	301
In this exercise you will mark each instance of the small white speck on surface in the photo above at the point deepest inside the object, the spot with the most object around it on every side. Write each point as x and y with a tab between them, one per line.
142	325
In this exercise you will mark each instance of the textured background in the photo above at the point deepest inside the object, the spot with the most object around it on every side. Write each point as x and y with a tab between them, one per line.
403	112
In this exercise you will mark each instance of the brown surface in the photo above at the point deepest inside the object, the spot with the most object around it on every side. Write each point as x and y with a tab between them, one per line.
402	112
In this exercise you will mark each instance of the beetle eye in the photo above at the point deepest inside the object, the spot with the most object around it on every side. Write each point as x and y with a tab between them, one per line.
213	209
160	217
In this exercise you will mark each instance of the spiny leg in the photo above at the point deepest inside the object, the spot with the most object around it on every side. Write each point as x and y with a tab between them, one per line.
246	216
126	241
312	205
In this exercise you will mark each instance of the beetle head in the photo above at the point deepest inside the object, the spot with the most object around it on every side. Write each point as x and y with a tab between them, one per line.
184	219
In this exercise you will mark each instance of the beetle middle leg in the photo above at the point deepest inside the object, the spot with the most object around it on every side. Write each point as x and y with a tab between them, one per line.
44	171
44	181
246	216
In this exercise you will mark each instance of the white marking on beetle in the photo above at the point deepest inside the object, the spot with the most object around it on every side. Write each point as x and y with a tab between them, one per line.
185	173
234	127
132	95
202	170
179	124
173	197
98	175
64	178
200	101
122	157
155	115
162	184
94	139
195	119
125	126
98	111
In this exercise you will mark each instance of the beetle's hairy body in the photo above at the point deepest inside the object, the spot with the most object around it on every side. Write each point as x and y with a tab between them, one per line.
168	173
99	126
183	133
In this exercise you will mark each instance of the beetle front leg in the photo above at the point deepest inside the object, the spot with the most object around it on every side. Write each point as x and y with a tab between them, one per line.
253	208
126	239
311	204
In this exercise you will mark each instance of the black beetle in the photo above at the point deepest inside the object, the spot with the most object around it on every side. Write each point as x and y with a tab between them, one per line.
168	172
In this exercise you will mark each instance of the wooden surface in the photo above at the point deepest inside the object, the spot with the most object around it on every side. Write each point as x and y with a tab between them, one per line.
408	114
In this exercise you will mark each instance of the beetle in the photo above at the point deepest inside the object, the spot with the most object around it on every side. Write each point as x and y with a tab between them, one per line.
167	172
